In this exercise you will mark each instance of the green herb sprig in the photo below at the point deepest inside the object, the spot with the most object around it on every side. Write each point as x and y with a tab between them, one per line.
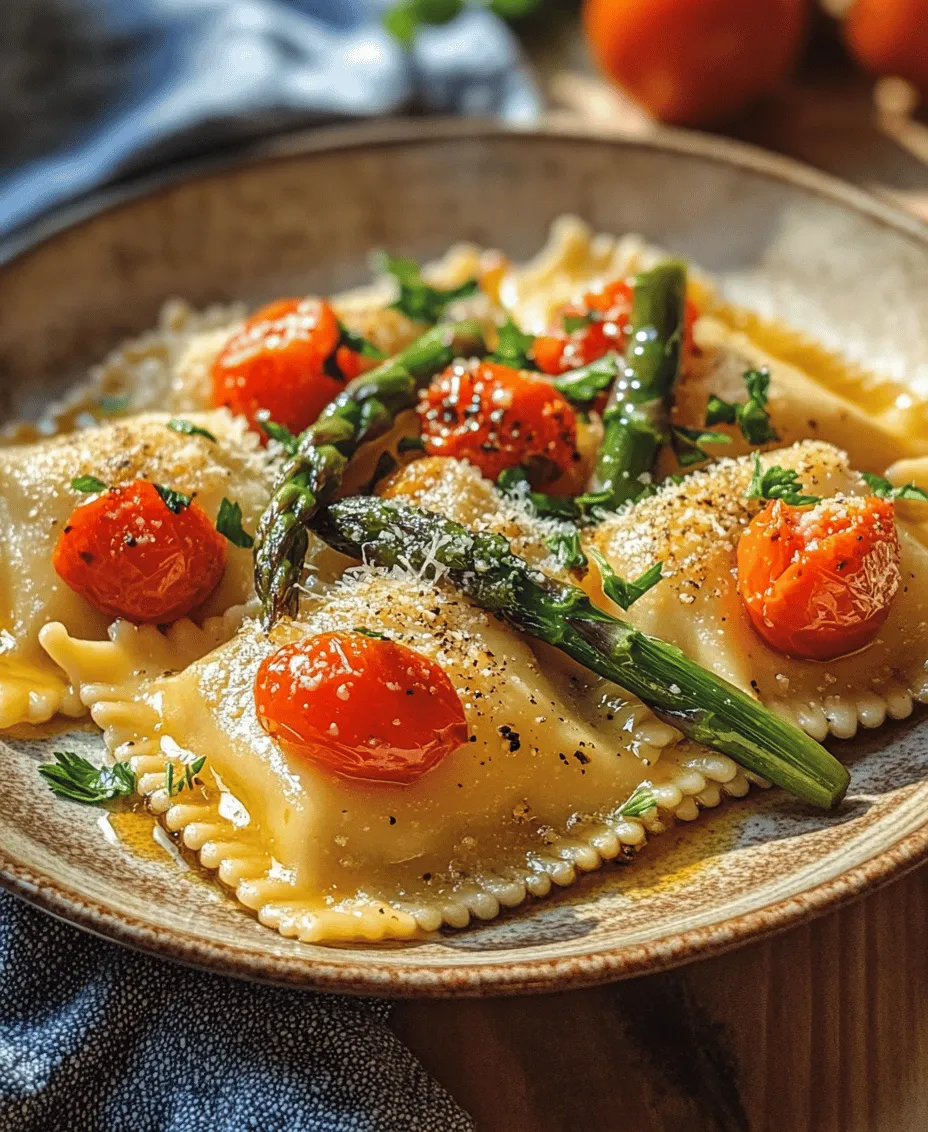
88	484
638	803
513	347
175	501
173	786
419	300
751	416
188	428
229	525
885	490
687	444
74	777
565	546
778	483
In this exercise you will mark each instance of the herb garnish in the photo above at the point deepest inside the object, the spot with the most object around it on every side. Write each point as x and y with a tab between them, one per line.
513	346
582	386
639	802
575	322
186	781
778	483
75	778
885	490
175	501
372	633
229	524
188	428
566	549
420	300
751	416
623	593
358	343
274	431
686	444
514	483
88	484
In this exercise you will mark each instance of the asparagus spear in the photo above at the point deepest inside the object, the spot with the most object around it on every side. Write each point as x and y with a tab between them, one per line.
636	416
364	410
706	708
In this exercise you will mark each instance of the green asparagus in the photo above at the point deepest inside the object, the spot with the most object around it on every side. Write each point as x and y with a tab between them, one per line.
365	409
636	417
706	708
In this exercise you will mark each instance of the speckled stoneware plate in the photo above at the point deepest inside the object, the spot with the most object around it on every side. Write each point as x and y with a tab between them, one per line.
301	215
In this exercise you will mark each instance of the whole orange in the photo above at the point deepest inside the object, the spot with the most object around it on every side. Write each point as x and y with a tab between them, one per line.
890	37
693	61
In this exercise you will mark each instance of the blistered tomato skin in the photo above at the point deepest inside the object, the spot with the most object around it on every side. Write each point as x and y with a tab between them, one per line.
277	363
496	418
359	706
129	555
817	583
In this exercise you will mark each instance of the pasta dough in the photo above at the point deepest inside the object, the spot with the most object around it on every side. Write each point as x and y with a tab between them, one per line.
693	527
530	801
35	501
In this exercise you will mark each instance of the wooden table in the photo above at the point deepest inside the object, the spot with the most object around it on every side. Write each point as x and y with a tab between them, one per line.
822	1029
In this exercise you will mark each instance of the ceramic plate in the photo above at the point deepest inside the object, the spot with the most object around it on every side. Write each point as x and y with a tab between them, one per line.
302	215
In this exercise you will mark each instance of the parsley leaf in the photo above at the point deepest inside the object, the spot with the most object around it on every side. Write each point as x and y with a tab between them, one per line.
188	428
229	525
88	484
278	432
512	346
885	490
186	781
751	416
778	483
372	633
359	343
514	483
686	444
582	386
175	501
566	549
72	776
420	300
623	593
639	802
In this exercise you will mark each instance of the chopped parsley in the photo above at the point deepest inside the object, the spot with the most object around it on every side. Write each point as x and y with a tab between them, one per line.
778	483
175	501
885	490
686	444
173	786
229	525
72	776
419	300
582	386
274	431
188	428
513	347
372	633
639	802
751	416
514	483
623	593
566	549
88	484
358	343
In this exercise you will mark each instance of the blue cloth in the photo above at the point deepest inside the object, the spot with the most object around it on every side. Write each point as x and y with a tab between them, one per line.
95	1038
163	79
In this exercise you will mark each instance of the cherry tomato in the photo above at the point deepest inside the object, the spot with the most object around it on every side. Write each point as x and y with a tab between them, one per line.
497	418
361	706
129	555
276	362
351	364
890	37
562	350
694	61
819	582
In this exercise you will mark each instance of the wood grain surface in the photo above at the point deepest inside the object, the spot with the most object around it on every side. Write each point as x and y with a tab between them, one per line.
822	1029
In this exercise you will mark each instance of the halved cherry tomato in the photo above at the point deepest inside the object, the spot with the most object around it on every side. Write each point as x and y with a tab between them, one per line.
561	350
129	555
819	582
496	418
360	706
276	362
351	364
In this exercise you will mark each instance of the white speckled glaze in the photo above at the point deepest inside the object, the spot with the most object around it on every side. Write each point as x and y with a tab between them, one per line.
303	214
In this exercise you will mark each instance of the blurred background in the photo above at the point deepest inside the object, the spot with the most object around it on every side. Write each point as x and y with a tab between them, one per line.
92	91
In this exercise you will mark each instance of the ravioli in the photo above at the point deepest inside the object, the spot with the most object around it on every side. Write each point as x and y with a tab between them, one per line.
529	802
36	500
694	526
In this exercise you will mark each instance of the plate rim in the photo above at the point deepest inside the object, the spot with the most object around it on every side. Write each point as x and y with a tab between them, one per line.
602	965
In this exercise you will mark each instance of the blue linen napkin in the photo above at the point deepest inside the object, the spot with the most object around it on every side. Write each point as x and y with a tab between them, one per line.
94	1038
120	85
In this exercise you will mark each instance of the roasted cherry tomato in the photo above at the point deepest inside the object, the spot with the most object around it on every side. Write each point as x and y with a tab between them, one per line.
694	61
606	314
497	418
277	362
130	555
819	582
350	364
360	706
890	37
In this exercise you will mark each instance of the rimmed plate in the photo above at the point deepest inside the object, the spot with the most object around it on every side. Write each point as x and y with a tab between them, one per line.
303	213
